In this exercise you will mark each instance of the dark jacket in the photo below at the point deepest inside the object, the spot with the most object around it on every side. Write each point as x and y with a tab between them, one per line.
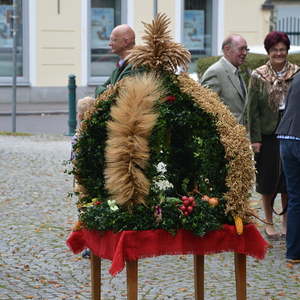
290	122
261	119
118	74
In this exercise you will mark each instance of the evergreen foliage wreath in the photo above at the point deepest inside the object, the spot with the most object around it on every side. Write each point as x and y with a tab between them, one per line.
158	151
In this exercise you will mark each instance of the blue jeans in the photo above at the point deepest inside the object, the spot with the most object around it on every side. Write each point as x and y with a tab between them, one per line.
290	155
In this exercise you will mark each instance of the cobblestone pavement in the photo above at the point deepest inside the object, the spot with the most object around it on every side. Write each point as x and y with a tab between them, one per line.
36	217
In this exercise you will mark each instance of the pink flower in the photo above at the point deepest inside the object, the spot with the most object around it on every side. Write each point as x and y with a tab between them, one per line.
158	213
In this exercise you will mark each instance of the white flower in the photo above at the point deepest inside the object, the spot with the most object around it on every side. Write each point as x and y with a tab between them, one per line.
163	185
112	205
161	168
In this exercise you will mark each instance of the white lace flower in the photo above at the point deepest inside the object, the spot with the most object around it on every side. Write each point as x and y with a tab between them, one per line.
161	168
163	184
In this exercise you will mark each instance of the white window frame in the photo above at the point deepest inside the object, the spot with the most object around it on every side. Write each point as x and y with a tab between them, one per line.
218	26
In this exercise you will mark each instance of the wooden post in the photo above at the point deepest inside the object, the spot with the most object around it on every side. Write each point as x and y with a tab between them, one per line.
95	276
132	279
199	276
240	276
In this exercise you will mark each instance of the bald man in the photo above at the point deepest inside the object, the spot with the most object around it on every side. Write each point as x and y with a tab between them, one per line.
224	78
122	40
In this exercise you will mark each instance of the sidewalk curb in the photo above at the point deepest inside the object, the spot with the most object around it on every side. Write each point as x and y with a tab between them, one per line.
27	113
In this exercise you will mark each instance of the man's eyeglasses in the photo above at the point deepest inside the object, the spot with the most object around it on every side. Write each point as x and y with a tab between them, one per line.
243	49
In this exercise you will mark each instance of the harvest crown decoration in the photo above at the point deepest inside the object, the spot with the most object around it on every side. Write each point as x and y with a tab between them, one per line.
159	151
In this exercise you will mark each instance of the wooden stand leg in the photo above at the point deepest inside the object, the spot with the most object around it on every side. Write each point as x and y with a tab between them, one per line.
132	279
240	276
199	276
96	276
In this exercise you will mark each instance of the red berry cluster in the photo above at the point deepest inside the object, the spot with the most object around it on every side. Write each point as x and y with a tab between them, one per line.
188	204
170	98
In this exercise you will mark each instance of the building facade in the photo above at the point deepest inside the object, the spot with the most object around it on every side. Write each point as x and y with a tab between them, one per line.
56	38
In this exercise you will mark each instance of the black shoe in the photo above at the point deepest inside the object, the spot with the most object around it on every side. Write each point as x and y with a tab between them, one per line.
293	261
86	253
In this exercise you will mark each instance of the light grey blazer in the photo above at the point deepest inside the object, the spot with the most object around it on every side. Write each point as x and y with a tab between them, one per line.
221	79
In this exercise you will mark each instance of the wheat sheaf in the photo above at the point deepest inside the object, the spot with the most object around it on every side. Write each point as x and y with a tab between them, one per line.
127	149
159	51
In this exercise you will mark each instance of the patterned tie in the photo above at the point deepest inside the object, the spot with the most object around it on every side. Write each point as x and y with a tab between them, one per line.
241	83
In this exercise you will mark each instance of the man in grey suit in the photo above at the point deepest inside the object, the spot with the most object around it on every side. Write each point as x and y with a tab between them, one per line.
288	132
224	78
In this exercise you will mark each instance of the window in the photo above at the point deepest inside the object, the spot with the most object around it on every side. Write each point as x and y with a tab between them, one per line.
104	16
6	40
197	28
287	20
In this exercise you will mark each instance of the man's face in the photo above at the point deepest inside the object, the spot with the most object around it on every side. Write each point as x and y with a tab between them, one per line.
117	43
236	52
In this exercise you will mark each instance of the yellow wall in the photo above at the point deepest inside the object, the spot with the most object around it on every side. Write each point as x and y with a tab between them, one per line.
247	18
143	12
168	7
58	41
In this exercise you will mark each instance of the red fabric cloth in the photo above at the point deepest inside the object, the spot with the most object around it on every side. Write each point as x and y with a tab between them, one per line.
132	245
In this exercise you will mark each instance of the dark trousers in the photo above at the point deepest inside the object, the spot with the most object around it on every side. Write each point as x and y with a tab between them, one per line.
290	155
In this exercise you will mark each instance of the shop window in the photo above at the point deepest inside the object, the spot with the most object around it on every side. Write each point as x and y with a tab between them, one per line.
197	28
6	40
104	16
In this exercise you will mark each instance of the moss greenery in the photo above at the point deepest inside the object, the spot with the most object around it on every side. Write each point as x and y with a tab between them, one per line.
15	133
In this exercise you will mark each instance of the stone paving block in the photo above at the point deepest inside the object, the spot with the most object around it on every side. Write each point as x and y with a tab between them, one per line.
36	220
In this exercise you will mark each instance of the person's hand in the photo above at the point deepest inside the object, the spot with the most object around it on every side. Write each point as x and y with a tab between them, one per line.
256	147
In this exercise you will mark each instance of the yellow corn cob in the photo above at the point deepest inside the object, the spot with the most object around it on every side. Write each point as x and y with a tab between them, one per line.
238	225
